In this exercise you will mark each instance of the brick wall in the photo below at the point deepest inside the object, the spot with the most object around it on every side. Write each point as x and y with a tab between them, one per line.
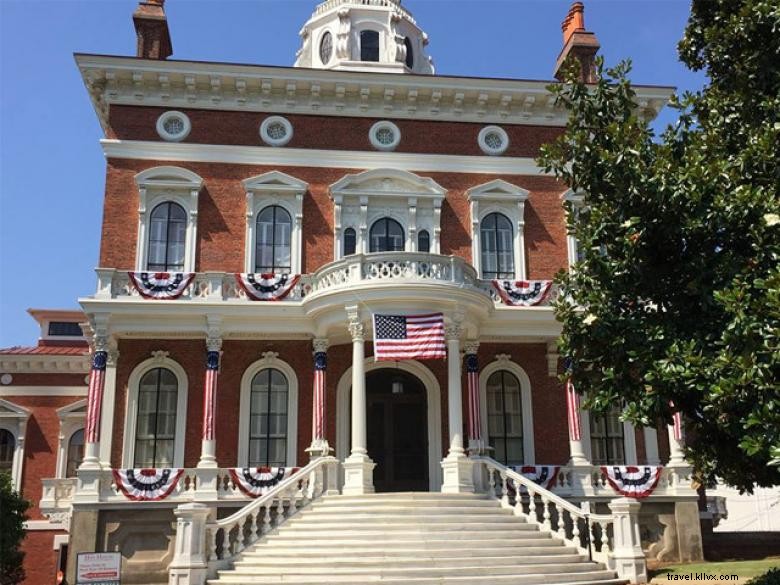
40	558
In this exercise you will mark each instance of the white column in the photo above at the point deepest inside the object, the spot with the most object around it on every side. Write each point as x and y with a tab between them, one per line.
97	380
358	467
457	467
651	446
208	445
109	403
319	443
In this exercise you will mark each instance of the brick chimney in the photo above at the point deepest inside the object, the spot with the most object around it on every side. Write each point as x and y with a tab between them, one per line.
578	43
151	28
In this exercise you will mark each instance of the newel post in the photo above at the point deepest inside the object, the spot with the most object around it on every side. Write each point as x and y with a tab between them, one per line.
189	565
627	549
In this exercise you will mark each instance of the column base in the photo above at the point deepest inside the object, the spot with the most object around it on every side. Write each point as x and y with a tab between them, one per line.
458	472
87	484
208	482
358	475
319	448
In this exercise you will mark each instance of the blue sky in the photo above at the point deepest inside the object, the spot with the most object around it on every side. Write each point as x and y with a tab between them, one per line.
52	169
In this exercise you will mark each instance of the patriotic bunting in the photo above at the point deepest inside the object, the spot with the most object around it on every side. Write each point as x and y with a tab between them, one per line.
97	382
257	481
522	293
162	286
267	286
632	481
543	475
146	485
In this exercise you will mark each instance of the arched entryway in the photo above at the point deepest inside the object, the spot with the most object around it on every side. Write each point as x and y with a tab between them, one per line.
396	415
415	406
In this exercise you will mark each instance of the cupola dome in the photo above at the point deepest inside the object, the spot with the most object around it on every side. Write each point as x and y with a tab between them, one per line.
364	35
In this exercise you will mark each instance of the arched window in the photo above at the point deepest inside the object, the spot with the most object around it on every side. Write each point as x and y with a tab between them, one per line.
496	239
273	250
75	453
268	419
155	432
607	442
386	235
167	236
423	241
505	418
369	45
350	241
7	448
409	53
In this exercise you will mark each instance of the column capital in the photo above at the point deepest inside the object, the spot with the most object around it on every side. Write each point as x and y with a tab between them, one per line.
320	344
355	326
453	331
471	347
213	343
113	357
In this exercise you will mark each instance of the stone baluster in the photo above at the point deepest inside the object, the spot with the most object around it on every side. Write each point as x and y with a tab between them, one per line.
627	548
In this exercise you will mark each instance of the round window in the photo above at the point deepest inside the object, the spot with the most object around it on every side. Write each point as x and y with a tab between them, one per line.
384	136
493	140
276	131
173	126
326	48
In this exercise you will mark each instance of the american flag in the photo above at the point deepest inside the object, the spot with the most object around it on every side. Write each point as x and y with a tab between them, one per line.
398	337
318	420
677	426
97	382
573	411
210	394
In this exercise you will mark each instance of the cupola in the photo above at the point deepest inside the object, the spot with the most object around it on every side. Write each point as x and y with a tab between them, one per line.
364	35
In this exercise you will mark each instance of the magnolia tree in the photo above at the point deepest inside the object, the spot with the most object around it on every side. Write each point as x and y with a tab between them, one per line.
675	301
12	517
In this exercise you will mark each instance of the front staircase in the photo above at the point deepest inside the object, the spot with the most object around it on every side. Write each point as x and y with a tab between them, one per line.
411	539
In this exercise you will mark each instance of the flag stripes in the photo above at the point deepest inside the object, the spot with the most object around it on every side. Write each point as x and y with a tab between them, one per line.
97	383
409	337
210	395
573	412
318	416
472	379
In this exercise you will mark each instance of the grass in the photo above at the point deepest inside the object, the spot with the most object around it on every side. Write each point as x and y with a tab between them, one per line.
745	569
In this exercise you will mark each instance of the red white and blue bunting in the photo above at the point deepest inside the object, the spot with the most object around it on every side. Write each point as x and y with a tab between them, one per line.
522	293
543	475
257	481
162	286
633	481
146	485
267	287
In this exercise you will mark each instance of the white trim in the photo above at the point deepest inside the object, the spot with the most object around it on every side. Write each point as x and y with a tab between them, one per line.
270	140
384	125
159	185
275	188
486	148
160	360
43	391
43	525
72	418
433	398
13	418
499	196
59	540
178	137
503	362
317	158
44	364
269	360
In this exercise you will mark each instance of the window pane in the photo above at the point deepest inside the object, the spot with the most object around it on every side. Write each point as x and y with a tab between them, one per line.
497	242
156	419
386	235
75	453
350	241
7	448
273	240
268	419
423	242
505	417
369	45
167	236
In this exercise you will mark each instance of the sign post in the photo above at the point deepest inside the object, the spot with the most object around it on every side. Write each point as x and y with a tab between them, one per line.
98	568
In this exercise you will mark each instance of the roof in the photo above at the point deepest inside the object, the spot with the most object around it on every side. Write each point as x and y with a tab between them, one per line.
46	350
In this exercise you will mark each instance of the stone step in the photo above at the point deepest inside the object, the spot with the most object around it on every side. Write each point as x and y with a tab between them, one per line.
406	496
403	510
373	534
315	518
465	544
342	502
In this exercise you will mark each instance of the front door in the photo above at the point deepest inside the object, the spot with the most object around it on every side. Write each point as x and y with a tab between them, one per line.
397	430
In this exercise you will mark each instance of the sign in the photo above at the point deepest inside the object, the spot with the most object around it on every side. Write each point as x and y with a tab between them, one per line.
98	568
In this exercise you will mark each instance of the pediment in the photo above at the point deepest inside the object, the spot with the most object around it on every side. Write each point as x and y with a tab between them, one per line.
388	182
275	181
76	409
498	189
168	177
11	410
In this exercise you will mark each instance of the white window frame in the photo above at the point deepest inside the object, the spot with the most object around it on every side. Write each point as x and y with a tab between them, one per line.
275	188
382	125
270	140
486	148
72	419
165	135
159	359
13	418
502	197
160	185
270	360
414	201
572	246
504	362
629	439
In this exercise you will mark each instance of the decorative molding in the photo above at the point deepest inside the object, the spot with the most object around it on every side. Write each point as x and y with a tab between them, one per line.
552	358
320	345
44	364
160	356
355	326
471	347
43	391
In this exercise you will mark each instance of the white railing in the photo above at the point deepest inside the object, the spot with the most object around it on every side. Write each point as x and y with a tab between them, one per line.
591	482
56	498
612	539
331	4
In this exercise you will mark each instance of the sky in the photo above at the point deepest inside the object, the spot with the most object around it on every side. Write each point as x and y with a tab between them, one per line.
52	170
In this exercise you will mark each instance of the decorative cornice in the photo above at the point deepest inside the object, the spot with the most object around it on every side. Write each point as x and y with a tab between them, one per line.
43	364
221	86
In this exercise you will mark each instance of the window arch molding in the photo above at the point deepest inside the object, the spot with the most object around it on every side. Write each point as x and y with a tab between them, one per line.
72	420
270	360
159	359
274	188
504	362
167	184
13	419
509	200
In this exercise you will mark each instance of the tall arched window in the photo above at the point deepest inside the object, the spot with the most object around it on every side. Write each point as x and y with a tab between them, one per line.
155	433
386	235
423	241
7	448
350	241
497	243
273	249
369	45
505	418
75	453
167	237
268	419
607	442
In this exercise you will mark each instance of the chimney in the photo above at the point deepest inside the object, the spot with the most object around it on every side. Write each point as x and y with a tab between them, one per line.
578	43
151	28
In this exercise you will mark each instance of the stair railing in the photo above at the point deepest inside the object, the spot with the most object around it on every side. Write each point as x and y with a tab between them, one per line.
612	539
